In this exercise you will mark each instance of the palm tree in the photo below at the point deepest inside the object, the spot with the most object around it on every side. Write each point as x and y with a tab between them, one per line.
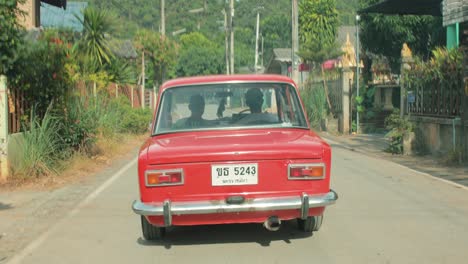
96	25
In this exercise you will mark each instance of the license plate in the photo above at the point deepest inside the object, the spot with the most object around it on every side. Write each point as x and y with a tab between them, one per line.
234	174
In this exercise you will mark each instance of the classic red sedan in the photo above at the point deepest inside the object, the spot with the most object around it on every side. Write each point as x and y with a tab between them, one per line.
232	149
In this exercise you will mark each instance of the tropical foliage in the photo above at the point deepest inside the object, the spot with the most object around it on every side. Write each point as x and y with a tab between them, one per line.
93	44
39	72
444	69
385	35
10	33
160	51
318	30
199	55
314	98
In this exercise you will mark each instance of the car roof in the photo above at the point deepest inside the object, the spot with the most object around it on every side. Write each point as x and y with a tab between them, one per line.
226	78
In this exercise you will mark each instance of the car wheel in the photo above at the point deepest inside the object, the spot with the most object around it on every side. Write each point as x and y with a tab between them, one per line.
151	232
312	223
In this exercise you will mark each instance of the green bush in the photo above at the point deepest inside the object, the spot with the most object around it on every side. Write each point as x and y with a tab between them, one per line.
85	120
42	146
136	121
398	128
39	71
315	102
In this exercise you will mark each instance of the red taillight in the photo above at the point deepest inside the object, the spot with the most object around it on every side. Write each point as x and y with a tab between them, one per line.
164	177
306	171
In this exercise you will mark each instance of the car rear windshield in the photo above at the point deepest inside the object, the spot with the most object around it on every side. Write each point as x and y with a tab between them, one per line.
229	105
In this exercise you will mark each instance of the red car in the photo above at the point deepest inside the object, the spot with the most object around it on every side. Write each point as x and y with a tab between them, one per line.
232	149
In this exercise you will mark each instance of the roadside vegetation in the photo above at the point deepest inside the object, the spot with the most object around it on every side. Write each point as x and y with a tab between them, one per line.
68	111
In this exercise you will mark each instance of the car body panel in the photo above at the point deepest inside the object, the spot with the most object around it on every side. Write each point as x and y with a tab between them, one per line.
272	149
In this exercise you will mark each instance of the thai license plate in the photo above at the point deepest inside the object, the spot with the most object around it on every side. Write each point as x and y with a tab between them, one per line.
234	174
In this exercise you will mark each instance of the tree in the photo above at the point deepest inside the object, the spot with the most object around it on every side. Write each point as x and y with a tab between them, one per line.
10	33
276	31
159	50
199	56
385	34
319	24
97	24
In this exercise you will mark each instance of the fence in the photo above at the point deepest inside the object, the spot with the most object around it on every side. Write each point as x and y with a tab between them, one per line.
435	101
19	108
335	91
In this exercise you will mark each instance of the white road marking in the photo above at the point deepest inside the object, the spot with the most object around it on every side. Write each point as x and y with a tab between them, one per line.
36	243
434	177
457	185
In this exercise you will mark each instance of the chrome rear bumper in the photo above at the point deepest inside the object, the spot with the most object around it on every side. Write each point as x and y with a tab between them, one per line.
168	208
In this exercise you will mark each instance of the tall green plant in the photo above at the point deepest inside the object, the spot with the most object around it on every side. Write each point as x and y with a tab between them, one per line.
385	34
42	147
399	127
96	25
314	98
445	68
41	74
10	33
160	52
318	30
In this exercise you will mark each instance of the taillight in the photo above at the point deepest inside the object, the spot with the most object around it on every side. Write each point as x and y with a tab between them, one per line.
313	171
164	177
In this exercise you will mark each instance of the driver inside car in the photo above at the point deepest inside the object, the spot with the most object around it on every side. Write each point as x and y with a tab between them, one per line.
254	100
195	120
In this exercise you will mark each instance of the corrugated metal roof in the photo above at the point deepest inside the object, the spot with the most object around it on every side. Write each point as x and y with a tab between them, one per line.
454	11
54	17
406	7
282	54
57	3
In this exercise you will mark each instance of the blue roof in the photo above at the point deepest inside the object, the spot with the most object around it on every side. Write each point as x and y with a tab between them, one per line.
54	17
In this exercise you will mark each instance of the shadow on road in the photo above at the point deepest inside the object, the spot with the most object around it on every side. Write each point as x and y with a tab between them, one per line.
232	233
4	206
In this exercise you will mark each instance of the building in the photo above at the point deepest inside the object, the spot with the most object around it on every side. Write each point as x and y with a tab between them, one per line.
32	9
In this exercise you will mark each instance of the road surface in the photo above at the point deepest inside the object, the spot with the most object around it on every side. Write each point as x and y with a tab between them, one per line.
385	214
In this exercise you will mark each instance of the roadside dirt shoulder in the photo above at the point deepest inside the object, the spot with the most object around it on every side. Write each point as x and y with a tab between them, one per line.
375	145
27	209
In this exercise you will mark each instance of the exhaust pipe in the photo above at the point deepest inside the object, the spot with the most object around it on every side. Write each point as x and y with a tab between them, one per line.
273	223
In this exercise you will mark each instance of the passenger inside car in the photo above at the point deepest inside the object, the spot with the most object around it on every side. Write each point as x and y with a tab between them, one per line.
254	100
197	108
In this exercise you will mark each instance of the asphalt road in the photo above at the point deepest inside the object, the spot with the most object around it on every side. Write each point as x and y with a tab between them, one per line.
385	214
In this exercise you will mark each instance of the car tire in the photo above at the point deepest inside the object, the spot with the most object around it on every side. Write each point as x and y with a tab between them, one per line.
151	232
310	224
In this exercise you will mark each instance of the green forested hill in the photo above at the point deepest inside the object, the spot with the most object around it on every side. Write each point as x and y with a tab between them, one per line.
139	13
275	20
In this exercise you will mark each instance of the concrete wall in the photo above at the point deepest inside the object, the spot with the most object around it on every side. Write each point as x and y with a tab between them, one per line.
436	135
14	149
31	19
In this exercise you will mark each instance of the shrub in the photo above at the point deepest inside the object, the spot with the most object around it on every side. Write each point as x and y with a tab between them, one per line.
398	128
136	121
315	101
41	147
40	73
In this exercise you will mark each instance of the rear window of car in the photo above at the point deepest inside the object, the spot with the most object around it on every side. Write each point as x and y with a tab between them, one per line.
229	105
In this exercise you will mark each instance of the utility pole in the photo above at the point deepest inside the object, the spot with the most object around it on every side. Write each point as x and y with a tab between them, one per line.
231	27
4	167
143	79
357	70
256	41
262	52
163	18
226	38
295	41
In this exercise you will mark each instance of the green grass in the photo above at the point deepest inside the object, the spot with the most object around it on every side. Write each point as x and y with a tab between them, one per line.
41	147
